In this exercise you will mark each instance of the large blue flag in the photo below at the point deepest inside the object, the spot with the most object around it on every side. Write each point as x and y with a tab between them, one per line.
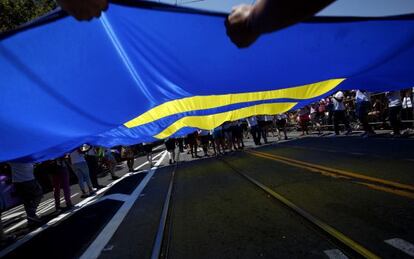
146	71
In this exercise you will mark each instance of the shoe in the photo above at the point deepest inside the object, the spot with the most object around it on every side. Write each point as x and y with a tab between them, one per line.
33	220
115	177
68	207
84	195
170	162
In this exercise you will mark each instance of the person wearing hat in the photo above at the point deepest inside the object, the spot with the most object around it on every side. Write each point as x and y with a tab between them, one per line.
339	113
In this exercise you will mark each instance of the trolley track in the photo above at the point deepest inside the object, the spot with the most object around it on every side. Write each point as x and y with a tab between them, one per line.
351	248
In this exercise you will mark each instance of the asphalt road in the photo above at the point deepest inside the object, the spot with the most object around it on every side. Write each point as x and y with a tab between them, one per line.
363	188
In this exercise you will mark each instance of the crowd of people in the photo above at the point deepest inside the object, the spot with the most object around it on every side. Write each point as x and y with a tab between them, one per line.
358	109
352	109
85	162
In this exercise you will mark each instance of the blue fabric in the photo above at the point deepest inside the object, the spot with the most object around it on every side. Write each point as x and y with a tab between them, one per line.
66	83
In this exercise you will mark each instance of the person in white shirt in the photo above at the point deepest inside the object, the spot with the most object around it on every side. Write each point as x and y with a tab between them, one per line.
407	109
339	113
394	110
80	168
254	129
27	189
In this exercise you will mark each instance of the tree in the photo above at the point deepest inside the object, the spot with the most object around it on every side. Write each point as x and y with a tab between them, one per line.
14	13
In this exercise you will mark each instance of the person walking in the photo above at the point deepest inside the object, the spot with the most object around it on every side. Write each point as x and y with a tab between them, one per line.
303	119
111	162
362	105
80	168
60	180
254	129
218	138
92	160
281	121
170	146
148	152
27	189
339	113
128	154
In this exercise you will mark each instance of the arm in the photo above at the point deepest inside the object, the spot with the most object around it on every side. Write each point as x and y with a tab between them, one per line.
247	22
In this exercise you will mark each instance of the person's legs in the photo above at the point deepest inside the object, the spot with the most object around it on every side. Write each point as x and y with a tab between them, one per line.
285	132
363	118
170	156
112	165
255	134
31	194
66	187
173	155
131	162
92	163
336	118
81	180
216	146
149	158
180	145
344	119
195	146
263	133
85	172
395	119
56	182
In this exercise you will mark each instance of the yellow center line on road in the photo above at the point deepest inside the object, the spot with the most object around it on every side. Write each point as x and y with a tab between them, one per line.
385	189
388	186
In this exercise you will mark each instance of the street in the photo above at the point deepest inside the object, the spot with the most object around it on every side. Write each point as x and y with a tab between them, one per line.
316	197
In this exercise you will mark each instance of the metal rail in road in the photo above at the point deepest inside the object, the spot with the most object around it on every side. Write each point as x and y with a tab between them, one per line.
343	242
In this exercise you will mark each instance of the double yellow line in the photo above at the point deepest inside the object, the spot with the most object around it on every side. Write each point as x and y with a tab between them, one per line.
388	186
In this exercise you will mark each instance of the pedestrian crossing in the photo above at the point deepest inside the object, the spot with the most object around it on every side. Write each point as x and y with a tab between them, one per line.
9	217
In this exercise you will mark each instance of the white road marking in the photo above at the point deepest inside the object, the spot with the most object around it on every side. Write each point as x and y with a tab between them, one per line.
335	254
10	216
24	221
402	245
106	234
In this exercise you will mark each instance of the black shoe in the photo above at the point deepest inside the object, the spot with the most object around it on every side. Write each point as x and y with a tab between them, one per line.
34	221
68	207
170	161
